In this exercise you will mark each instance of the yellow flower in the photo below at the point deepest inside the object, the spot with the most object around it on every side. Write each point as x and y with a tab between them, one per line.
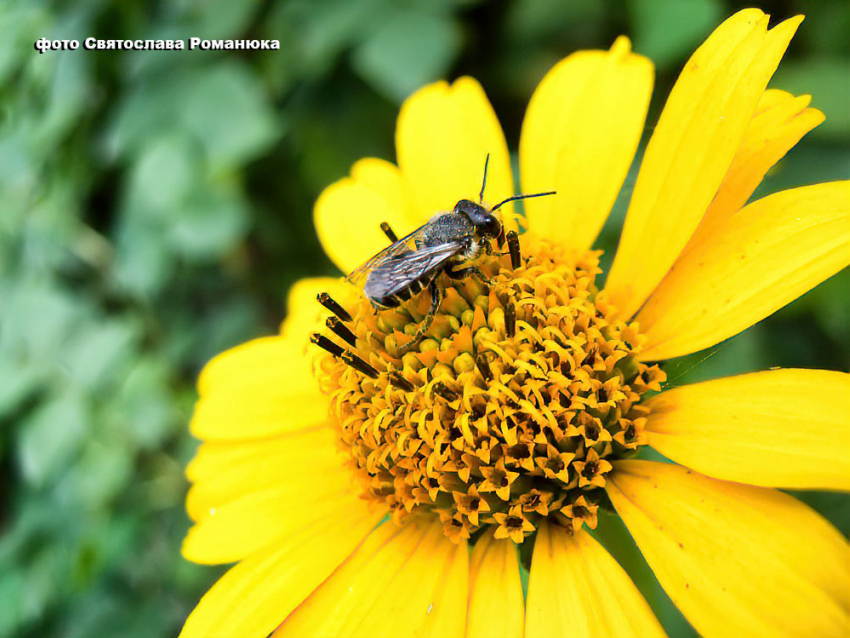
348	487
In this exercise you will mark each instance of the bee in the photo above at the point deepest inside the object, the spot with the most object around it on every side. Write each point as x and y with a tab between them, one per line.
449	243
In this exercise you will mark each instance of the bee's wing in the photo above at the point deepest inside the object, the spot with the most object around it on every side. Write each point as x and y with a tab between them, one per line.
395	273
403	245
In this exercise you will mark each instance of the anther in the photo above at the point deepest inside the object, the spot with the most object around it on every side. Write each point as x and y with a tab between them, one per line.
358	364
483	367
513	248
327	301
401	382
510	320
342	331
326	344
388	231
447	393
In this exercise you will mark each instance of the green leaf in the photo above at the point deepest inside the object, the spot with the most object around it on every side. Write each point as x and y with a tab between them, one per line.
164	176
45	317
227	109
667	30
20	381
143	402
827	80
409	50
161	179
99	475
219	18
209	222
21	24
51	436
223	107
143	261
12	588
99	352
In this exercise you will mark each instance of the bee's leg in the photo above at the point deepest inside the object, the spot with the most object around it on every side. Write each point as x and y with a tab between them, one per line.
463	273
436	299
388	231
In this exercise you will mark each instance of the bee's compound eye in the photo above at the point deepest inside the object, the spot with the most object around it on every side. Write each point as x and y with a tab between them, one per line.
492	226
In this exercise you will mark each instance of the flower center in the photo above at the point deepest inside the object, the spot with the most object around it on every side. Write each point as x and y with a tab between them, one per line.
508	411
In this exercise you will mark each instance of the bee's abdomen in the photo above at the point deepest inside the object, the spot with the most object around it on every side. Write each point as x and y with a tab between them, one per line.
404	294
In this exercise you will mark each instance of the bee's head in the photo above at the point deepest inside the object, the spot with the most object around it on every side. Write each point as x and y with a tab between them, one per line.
484	221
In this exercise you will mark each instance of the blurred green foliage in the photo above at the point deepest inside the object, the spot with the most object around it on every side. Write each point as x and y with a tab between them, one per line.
155	207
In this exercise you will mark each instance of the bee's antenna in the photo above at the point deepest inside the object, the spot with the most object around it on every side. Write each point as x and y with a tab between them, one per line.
484	185
516	197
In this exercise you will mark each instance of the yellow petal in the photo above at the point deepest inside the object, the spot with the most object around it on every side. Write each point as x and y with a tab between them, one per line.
692	148
254	597
444	134
781	121
579	137
304	314
240	527
576	589
496	606
736	560
349	212
782	428
758	260
223	472
261	388
403	581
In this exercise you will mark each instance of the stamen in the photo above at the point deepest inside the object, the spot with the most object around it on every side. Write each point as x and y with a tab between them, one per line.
483	366
358	364
513	247
326	344
447	393
512	410
327	301
588	360
510	320
401	382
388	231
342	331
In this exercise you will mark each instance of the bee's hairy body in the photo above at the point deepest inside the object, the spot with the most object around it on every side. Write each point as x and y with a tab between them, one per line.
449	243
441	229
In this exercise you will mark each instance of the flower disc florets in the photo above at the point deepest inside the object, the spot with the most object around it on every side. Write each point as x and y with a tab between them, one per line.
512	407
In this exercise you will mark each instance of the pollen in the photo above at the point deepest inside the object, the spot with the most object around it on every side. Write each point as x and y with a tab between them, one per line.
509	411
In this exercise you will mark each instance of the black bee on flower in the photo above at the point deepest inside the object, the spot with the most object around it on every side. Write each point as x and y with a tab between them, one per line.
450	242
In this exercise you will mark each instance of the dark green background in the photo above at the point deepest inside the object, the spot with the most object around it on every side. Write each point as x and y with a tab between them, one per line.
156	206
